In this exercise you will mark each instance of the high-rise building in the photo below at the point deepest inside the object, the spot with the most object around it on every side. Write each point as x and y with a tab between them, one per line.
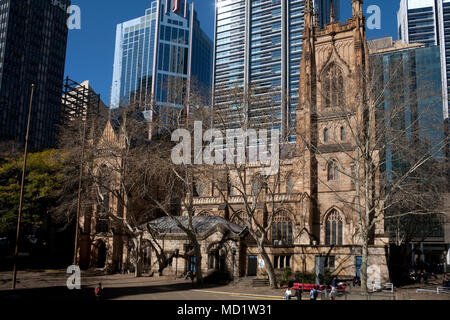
324	8
258	47
33	38
414	70
158	54
428	21
81	103
409	78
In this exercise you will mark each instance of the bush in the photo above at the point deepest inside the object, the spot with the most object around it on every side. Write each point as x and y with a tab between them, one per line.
306	278
286	277
328	277
287	274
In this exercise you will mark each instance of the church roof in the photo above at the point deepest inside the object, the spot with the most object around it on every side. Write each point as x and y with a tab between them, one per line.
201	224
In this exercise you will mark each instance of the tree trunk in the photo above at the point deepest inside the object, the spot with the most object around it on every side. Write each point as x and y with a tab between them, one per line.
138	257
364	265
268	266
198	264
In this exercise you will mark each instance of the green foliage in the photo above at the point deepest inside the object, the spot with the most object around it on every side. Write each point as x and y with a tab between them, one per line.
305	278
41	180
328	277
285	277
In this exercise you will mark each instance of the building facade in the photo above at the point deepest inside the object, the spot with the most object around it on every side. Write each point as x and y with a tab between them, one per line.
428	22
33	38
158	55
80	103
258	47
414	71
313	229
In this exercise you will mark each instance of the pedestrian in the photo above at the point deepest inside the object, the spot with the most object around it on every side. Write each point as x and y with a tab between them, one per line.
333	293
333	282
356	281
446	282
298	294
312	294
99	291
333	285
316	292
188	275
288	294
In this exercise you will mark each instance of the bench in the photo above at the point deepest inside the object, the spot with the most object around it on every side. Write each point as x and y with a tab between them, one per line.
443	290
310	286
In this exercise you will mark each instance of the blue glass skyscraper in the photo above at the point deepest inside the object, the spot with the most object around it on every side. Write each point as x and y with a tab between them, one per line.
428	22
157	53
258	47
409	76
407	85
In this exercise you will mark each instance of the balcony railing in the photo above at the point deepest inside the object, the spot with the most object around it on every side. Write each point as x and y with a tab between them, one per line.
240	199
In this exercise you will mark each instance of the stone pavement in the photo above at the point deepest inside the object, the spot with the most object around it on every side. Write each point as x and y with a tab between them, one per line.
51	285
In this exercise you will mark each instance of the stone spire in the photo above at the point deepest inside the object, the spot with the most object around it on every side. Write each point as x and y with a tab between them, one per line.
332	16
308	14
357	10
316	18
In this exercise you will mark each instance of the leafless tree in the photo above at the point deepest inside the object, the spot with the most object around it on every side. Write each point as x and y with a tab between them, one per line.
384	145
250	190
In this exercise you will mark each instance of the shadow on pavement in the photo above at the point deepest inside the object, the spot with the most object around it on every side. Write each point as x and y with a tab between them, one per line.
87	293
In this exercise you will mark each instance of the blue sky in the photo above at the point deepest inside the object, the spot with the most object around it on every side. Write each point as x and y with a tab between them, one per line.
90	51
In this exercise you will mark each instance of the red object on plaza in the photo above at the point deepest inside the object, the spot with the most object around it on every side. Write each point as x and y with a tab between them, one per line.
310	286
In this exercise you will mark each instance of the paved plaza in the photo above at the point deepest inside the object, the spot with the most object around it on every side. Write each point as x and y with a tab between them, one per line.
52	285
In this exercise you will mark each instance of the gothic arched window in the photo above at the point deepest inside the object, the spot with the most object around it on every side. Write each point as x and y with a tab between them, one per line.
104	181
282	229
333	86
333	171
256	186
334	229
289	184
199	190
326	136
343	133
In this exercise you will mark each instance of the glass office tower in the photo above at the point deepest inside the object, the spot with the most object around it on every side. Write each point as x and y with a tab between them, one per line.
415	73
410	77
158	53
258	47
33	39
428	21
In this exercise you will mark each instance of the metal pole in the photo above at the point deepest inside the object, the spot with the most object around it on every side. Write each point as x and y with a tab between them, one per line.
19	217
80	179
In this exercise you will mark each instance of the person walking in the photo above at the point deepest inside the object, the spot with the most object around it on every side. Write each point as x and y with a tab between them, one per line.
288	294
99	291
298	294
333	287
313	293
